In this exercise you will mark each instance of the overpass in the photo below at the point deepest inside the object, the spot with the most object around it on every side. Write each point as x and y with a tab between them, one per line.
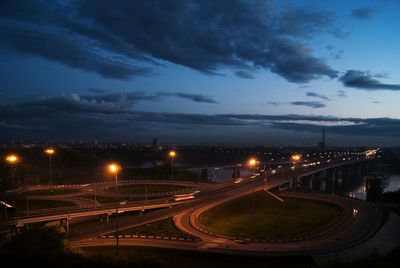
210	194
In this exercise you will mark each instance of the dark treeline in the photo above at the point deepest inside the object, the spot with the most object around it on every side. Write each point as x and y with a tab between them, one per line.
84	165
375	186
39	246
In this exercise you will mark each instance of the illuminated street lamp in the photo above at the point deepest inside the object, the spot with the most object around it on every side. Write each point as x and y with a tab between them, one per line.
12	159
295	158
172	155
113	168
50	152
252	162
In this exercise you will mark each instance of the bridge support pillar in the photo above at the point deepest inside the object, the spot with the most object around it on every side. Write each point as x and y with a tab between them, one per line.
323	184
310	182
340	176
108	218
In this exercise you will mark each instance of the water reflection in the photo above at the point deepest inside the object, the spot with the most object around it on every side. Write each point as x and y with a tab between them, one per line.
354	186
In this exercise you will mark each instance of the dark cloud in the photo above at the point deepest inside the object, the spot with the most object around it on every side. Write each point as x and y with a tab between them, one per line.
71	117
97	90
244	75
195	97
292	60
366	81
363	13
273	103
312	104
61	47
316	95
342	94
116	39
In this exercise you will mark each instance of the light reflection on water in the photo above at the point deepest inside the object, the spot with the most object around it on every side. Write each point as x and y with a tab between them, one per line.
359	192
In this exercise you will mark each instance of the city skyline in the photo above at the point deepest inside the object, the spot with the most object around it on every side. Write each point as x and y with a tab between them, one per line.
227	72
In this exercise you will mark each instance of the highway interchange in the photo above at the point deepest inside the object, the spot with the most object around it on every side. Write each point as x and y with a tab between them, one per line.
358	222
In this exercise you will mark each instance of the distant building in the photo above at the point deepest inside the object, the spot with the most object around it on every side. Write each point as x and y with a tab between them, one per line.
156	146
322	143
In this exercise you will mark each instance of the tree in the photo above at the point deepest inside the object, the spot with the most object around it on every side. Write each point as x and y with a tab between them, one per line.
375	185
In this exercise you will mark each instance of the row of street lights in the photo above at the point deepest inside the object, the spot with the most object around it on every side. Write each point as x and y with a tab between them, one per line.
14	159
113	168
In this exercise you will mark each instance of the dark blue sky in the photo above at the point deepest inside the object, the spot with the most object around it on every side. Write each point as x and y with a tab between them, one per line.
237	72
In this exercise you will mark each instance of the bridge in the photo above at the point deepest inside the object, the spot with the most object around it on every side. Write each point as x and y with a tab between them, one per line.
293	178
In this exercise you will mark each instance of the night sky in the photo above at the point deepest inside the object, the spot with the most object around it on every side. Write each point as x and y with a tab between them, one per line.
203	72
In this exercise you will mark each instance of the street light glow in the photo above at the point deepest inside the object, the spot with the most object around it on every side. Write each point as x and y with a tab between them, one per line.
252	162
12	158
296	157
172	154
49	151
113	168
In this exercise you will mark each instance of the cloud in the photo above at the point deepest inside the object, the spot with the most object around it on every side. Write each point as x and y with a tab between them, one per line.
273	103
316	95
195	97
244	75
366	81
97	90
72	117
312	104
61	47
342	94
125	39
363	13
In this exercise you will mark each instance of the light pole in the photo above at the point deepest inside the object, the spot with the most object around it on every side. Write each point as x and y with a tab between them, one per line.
252	163
12	159
113	169
50	152
295	158
172	154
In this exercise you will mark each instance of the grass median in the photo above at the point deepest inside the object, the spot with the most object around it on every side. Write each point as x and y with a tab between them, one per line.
271	219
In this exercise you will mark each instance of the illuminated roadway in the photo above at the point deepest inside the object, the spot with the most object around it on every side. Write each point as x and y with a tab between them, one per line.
349	230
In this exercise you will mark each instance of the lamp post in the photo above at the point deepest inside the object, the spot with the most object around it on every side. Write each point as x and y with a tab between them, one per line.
295	158
50	152
12	159
252	163
113	168
172	155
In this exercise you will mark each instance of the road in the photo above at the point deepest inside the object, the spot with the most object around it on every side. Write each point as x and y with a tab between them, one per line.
349	230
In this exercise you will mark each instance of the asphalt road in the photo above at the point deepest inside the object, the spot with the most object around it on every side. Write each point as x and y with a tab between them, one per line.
346	232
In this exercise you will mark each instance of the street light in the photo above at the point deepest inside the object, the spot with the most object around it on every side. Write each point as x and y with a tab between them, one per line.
295	158
172	154
252	163
113	168
50	152
12	159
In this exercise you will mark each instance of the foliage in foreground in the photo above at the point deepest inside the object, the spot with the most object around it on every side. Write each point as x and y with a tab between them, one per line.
42	246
